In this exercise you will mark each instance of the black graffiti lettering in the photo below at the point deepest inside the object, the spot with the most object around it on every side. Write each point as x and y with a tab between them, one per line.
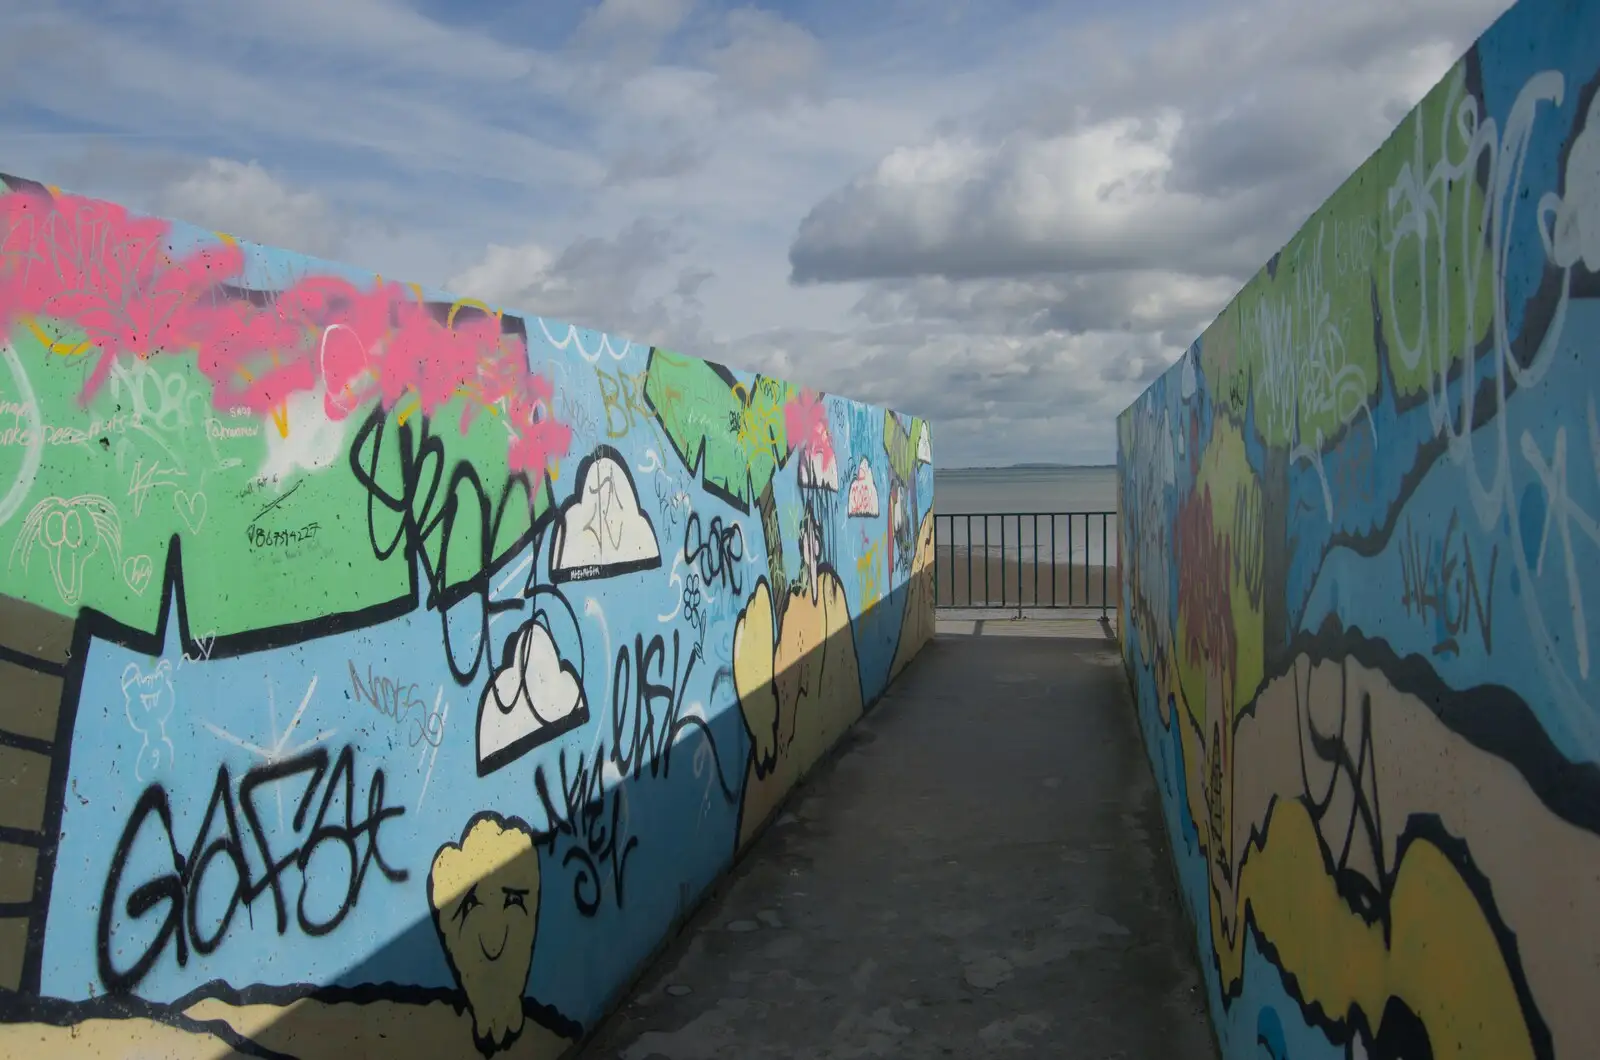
168	889
694	612
1441	587
424	510
590	818
587	818
260	537
344	837
180	889
717	552
638	739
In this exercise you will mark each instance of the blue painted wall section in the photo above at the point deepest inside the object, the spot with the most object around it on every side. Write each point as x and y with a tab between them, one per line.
384	671
1362	588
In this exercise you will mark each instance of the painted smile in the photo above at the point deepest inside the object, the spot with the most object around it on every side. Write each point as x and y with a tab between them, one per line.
495	956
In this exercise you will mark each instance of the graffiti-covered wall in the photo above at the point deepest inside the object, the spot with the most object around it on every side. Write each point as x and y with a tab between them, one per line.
1362	522
380	671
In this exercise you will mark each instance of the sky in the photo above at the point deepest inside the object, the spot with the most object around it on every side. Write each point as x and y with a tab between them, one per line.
1007	216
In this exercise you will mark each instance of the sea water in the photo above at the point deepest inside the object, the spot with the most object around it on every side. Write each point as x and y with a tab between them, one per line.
1083	501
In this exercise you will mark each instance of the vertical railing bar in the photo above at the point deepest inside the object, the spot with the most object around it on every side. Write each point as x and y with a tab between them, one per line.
947	574
969	559
986	561
1105	561
1069	559
1035	518
1002	560
1052	559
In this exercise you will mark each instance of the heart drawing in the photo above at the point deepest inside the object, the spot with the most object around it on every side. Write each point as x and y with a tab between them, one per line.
136	571
192	506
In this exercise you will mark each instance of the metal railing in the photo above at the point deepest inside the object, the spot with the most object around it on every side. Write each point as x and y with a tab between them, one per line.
1046	560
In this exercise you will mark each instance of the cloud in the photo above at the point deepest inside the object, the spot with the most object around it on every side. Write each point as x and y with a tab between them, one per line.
819	469
674	159
645	18
963	209
1181	165
766	57
244	200
602	531
627	284
533	697
1061	242
1005	216
863	496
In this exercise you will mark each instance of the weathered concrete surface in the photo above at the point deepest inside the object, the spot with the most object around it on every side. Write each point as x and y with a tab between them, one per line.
981	872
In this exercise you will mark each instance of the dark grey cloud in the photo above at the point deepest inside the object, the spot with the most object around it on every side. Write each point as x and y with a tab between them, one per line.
1169	159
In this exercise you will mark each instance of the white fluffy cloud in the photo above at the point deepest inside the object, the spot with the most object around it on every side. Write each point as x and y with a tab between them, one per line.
1005	216
634	284
244	200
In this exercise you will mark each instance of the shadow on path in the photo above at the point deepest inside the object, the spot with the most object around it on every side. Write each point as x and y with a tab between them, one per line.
981	871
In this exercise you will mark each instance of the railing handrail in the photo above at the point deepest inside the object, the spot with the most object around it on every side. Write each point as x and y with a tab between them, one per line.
1058	511
1016	552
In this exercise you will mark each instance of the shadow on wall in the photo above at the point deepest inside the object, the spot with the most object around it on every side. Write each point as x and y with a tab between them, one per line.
492	897
1361	564
386	672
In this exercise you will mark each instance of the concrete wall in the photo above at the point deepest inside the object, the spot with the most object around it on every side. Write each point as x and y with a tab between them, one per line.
1362	581
380	671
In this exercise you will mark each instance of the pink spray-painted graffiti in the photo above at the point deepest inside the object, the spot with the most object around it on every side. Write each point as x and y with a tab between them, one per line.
67	258
806	421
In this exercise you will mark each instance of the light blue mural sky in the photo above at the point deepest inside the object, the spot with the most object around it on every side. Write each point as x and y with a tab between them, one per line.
1005	215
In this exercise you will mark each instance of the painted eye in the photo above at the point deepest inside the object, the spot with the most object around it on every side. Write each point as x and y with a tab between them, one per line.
469	902
515	897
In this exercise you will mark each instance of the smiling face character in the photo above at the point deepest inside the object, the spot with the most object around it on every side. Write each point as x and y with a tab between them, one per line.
485	898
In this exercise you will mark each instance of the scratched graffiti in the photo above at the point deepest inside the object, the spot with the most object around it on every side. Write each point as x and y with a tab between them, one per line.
1364	541
379	662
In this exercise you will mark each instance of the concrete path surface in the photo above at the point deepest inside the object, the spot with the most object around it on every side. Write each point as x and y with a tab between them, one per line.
980	872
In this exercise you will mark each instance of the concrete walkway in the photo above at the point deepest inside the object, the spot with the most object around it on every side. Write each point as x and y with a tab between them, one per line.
980	872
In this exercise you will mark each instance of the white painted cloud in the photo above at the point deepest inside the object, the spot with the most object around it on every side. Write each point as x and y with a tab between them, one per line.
533	697
602	531
863	496
925	445
819	468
